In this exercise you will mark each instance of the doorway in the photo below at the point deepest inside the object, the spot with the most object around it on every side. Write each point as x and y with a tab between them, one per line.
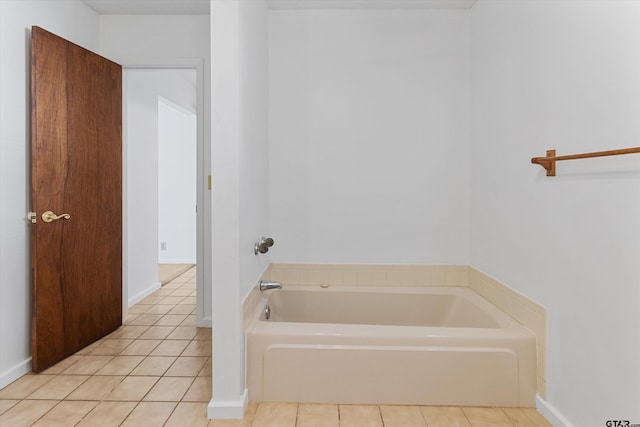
162	167
177	137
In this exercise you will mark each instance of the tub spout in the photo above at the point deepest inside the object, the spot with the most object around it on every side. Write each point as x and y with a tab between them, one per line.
266	285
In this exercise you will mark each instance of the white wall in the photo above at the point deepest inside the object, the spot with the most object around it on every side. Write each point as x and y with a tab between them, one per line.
177	137
140	182
563	75
240	191
369	143
253	142
77	23
157	40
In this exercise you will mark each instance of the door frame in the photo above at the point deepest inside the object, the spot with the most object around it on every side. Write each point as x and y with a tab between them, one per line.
203	214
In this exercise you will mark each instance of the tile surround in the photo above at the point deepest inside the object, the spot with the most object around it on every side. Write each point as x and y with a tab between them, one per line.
370	274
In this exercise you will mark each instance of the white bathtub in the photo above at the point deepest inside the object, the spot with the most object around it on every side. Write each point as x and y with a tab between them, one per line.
375	345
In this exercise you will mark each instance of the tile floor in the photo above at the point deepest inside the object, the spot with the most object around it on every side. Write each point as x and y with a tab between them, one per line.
156	371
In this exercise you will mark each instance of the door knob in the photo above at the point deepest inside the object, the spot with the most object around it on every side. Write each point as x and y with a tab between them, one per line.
49	216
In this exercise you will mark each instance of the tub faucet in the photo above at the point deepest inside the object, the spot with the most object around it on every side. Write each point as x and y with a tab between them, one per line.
266	285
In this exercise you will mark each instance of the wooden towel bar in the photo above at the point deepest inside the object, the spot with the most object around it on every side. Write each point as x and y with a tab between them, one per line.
549	162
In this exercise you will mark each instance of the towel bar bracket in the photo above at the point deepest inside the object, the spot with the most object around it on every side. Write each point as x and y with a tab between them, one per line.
547	162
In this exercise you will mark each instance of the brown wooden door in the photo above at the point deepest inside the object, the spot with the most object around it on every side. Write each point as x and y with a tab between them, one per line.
76	169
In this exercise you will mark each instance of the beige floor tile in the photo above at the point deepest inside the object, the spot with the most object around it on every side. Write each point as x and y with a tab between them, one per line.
129	318
169	389
190	320
360	416
444	416
62	365
146	319
140	347
183	309
170	348
181	292
159	309
59	387
402	416
206	370
171	319
185	366
183	333
65	414
24	386
275	415
154	365
88	349
486	417
188	300
88	365
317	416
149	414
108	414
26	412
95	388
163	292
157	333
200	390
189	414
204	334
137	309
132	388
111	347
171	300
198	348
526	417
120	365
150	300
129	331
173	285
6	404
245	422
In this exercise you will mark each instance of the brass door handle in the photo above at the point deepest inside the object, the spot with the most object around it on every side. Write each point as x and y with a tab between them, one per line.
49	216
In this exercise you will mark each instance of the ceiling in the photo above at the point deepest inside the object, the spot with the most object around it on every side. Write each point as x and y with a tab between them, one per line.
370	4
201	7
149	7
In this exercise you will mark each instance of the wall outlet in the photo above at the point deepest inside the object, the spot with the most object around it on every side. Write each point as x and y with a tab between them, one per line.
163	246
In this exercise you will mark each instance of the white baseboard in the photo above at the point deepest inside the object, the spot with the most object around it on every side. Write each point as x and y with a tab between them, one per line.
206	322
555	418
15	372
142	295
228	409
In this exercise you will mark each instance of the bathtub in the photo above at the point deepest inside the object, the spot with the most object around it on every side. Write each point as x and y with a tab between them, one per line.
377	345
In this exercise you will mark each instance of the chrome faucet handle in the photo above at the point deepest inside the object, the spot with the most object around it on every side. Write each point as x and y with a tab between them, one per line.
263	246
260	248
